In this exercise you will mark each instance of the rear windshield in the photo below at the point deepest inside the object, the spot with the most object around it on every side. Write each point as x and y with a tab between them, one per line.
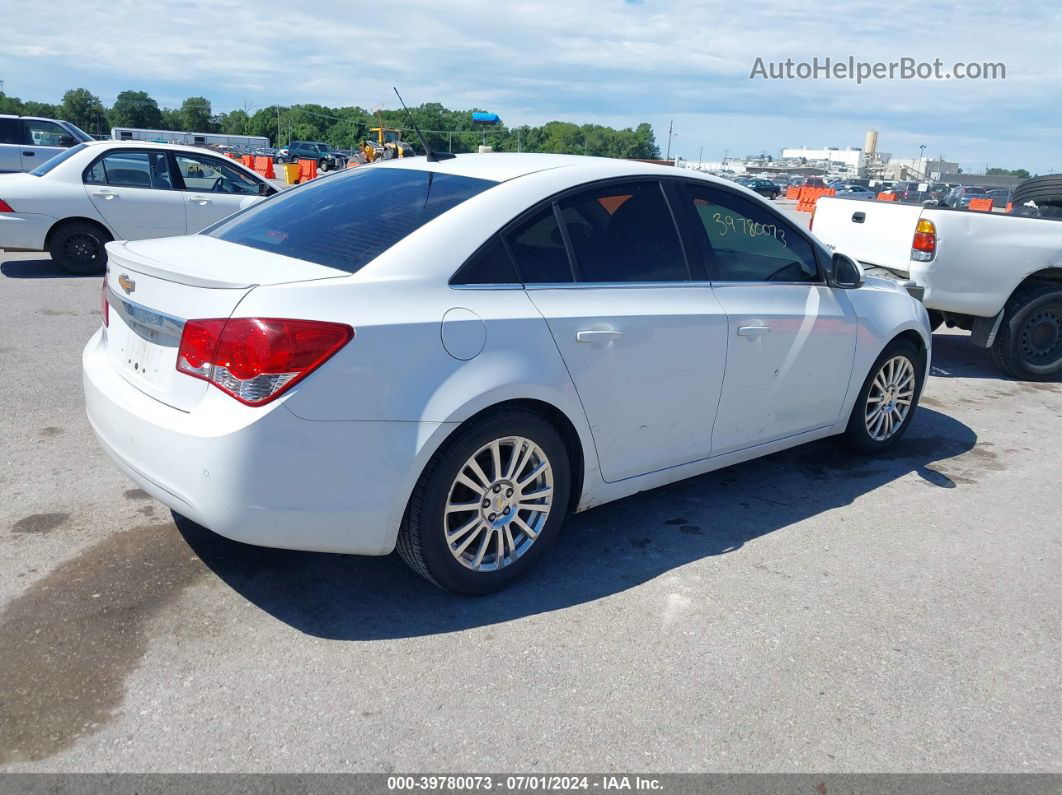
347	220
52	162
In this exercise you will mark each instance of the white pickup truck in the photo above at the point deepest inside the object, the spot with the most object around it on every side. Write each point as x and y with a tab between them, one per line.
998	276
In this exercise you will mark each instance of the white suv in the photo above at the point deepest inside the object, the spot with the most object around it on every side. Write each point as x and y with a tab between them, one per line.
28	141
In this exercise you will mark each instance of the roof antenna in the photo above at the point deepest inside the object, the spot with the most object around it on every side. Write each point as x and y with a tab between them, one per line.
433	157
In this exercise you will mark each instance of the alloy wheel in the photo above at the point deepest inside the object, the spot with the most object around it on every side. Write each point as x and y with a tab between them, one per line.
498	503
890	398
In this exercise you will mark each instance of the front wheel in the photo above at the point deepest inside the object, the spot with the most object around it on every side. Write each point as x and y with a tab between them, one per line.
78	247
489	504
888	399
1028	344
322	166
281	160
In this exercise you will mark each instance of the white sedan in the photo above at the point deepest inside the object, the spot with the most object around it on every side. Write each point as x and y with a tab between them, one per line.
92	193
452	356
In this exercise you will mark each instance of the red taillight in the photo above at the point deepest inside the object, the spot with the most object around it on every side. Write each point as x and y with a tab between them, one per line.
924	244
257	359
5	207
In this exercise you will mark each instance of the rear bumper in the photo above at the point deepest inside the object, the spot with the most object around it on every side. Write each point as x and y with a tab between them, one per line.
261	476
24	230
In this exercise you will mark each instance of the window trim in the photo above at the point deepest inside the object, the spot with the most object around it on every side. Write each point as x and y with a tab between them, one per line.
137	150
697	276
802	233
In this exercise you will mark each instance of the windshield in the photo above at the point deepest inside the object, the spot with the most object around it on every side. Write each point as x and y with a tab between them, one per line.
81	134
347	220
51	163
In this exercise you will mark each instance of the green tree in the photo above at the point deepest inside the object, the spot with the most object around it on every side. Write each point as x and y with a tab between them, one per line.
195	114
83	108
136	109
234	123
1005	172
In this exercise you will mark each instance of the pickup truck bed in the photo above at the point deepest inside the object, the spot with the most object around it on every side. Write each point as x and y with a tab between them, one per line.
999	276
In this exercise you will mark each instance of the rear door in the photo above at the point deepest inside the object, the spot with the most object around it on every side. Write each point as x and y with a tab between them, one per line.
211	189
643	340
133	191
791	337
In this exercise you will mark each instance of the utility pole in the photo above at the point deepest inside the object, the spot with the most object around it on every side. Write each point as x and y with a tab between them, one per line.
278	127
670	124
700	156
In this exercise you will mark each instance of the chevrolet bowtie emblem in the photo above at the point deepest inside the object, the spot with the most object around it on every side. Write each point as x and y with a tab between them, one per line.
126	284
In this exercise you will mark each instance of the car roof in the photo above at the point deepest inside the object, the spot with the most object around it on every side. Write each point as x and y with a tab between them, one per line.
504	166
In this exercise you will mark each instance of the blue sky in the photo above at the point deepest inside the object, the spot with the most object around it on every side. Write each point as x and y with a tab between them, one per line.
613	62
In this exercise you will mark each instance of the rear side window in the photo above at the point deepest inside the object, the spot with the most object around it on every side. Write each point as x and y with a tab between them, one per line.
490	265
131	170
346	220
538	247
9	131
623	233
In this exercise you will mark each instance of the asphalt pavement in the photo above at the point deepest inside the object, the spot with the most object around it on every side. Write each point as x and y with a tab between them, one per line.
811	611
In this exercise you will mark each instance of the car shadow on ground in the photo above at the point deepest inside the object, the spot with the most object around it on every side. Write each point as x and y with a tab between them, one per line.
38	269
601	552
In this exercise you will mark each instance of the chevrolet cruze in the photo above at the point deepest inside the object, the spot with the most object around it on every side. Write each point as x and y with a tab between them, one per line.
449	357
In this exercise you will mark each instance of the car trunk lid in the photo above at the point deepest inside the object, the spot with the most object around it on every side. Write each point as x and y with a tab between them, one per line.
154	286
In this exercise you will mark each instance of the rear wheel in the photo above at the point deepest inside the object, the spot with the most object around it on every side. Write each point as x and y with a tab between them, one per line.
322	166
78	247
489	504
1028	344
888	399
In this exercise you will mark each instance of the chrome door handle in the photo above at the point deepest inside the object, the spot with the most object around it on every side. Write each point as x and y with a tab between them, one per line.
753	331
200	200
105	194
598	335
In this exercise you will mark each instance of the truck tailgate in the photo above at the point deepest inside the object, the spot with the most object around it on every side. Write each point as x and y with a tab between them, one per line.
875	233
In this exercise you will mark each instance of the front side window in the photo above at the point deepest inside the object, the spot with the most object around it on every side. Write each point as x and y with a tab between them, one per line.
211	175
47	133
131	170
347	220
744	242
623	233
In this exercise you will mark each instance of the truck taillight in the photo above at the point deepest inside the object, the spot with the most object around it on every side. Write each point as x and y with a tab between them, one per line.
5	207
924	245
255	360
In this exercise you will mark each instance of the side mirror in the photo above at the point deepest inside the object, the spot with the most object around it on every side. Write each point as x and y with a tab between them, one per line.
67	141
845	273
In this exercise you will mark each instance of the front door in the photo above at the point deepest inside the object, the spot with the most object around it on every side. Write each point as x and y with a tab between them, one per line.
211	189
791	338
41	141
643	342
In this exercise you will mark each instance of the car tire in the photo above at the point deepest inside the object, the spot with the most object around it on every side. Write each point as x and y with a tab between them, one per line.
877	421
78	247
1028	344
435	539
281	160
322	166
1043	189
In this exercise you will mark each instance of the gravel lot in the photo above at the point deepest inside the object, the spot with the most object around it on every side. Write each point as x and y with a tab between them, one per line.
811	611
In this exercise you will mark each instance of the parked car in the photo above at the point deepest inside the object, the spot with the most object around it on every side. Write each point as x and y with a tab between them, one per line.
959	197
1000	197
907	191
92	193
856	192
327	160
812	182
764	187
27	142
997	276
395	355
